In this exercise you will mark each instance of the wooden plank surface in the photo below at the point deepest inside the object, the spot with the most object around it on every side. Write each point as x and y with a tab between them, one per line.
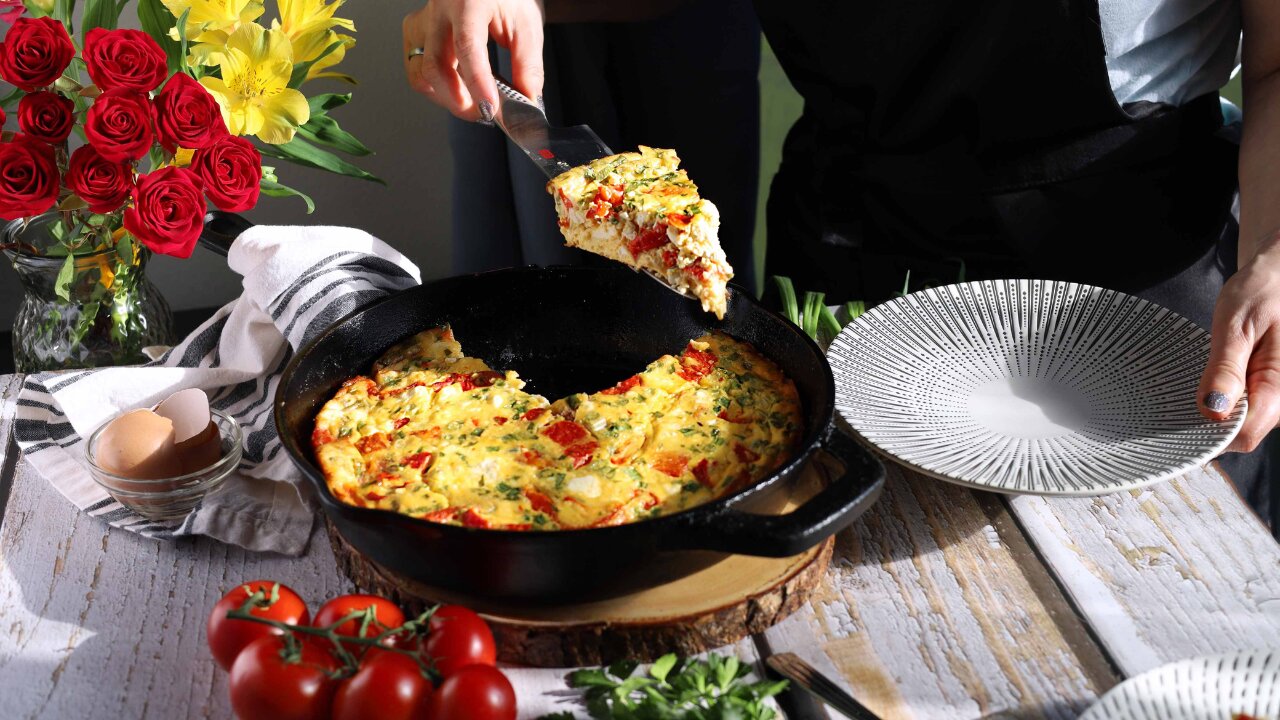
1180	569
927	613
97	622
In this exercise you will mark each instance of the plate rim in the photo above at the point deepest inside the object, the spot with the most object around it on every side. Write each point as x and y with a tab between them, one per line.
1236	422
1093	712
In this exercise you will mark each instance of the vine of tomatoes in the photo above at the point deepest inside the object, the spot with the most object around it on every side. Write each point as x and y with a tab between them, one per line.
358	659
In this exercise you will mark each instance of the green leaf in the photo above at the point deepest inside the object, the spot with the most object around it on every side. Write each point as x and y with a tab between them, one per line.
300	70
124	248
7	101
182	36
66	275
34	10
328	101
63	11
99	14
88	313
558	716
589	678
303	153
323	130
662	666
275	189
156	21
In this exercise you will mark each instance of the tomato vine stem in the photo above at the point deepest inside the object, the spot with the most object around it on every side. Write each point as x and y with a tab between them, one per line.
258	600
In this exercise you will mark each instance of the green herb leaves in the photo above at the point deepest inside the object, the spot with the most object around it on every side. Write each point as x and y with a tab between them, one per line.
675	689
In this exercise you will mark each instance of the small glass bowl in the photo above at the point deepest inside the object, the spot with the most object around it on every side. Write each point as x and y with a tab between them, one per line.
171	498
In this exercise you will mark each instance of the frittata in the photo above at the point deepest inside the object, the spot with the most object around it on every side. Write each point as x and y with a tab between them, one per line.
640	208
441	436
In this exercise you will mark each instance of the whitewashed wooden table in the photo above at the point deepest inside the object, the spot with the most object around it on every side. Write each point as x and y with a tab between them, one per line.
941	602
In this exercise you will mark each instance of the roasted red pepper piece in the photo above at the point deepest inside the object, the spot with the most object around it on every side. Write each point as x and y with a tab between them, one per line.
696	364
622	387
565	432
745	454
647	239
418	460
671	464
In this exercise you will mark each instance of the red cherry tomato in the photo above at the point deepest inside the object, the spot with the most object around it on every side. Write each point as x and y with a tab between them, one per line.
265	685
388	686
228	636
385	612
475	692
459	638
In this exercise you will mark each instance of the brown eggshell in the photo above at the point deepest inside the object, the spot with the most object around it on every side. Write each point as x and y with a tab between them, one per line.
201	451
138	445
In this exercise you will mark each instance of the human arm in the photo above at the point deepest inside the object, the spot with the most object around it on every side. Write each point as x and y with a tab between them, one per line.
1245	351
454	70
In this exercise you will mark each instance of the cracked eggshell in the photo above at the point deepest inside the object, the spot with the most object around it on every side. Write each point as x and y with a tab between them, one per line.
196	438
138	445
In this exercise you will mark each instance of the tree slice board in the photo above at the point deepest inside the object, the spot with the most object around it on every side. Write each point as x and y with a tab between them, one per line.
716	606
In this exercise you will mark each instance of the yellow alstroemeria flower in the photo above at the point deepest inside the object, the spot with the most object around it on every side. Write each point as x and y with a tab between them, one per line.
310	26
254	88
211	22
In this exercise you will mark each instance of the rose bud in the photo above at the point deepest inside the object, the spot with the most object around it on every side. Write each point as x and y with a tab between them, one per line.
126	59
103	184
118	124
187	116
28	178
35	52
46	116
231	170
168	211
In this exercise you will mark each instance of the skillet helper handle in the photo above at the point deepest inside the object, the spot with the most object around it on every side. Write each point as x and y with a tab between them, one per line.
221	229
857	486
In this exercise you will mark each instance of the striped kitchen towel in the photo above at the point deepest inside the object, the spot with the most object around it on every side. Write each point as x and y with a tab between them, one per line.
297	282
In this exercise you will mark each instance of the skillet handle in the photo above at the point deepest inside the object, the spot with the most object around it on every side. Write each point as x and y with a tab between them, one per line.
846	497
221	229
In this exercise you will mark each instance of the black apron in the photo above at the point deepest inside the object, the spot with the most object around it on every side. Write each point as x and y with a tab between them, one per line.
937	132
940	134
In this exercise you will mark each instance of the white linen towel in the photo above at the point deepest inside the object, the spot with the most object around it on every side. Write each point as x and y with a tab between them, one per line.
297	282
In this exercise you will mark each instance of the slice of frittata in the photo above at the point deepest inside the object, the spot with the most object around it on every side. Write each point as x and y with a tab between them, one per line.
641	209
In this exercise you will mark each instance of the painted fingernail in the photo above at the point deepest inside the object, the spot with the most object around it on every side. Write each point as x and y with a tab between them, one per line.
486	111
1216	401
541	105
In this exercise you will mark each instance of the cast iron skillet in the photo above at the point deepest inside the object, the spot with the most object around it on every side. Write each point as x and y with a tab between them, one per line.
571	329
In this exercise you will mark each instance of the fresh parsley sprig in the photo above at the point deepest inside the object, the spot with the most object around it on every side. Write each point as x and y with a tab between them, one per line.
674	689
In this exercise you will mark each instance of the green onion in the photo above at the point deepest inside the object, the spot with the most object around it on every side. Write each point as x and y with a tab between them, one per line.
812	303
854	309
828	322
788	293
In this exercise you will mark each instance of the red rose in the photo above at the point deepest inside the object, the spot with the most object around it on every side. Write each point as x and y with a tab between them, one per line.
168	211
127	59
46	116
102	183
119	125
187	115
3	117
28	178
35	52
231	170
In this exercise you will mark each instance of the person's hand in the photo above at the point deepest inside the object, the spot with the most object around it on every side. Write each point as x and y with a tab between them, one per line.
1246	349
454	37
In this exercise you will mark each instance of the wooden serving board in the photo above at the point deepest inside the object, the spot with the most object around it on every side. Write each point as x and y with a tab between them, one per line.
721	604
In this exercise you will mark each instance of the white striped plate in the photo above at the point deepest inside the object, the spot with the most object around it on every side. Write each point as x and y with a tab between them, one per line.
1029	386
1220	687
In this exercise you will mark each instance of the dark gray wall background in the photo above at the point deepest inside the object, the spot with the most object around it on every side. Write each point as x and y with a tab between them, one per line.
407	135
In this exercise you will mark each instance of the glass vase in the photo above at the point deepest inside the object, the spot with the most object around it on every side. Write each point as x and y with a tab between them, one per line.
96	309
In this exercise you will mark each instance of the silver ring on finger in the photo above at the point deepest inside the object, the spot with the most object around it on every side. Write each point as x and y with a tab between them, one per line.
417	52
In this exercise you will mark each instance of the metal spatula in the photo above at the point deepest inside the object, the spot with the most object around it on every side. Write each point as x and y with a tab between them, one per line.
553	149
